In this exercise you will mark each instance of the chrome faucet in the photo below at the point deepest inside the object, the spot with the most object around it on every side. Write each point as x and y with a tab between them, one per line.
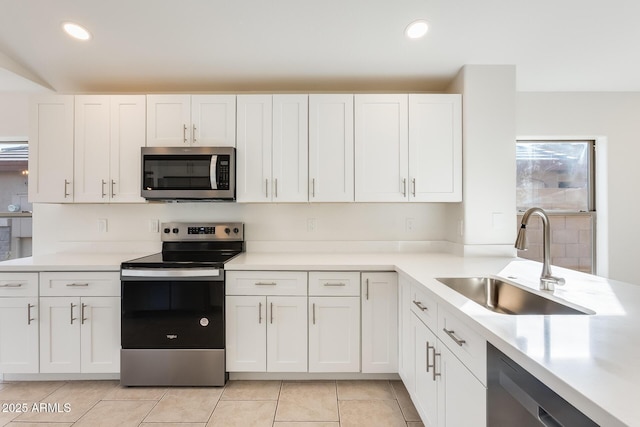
547	281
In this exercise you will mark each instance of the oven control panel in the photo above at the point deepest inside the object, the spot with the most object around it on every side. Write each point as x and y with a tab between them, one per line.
193	231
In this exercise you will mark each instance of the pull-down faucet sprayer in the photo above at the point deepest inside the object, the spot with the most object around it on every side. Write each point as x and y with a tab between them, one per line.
547	281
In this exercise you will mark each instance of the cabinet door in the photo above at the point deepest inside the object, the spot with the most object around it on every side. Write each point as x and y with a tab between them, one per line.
381	148
406	336
380	322
287	334
435	148
290	148
246	334
213	120
100	334
127	137
458	388
426	384
168	120
19	335
91	149
331	169
51	149
253	154
334	334
59	334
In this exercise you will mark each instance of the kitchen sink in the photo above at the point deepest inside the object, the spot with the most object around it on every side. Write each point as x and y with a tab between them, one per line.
506	298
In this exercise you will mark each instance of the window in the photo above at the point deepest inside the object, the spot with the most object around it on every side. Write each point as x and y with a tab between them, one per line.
15	210
558	176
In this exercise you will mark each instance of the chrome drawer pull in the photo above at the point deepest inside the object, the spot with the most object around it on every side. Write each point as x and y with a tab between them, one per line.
335	284
453	337
77	284
420	306
265	283
11	285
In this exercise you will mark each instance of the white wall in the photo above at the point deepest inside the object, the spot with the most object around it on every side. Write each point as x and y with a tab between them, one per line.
14	108
75	227
615	116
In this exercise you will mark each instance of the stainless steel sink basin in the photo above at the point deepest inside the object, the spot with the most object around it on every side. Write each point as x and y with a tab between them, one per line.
503	297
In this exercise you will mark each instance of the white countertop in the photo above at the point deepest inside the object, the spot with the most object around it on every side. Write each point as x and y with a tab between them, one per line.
70	262
593	361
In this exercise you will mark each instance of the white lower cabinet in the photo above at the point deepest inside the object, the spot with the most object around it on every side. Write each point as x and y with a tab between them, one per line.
80	334
445	391
19	335
266	334
334	334
379	322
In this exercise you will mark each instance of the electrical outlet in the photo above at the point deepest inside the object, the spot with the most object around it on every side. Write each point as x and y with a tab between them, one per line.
311	225
409	224
102	225
154	226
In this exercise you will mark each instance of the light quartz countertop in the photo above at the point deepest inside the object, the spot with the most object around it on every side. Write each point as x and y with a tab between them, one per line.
592	361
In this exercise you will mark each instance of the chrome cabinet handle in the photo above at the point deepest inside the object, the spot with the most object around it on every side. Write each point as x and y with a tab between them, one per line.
29	318
103	184
113	186
259	312
367	293
413	192
453	337
404	187
71	312
193	134
266	188
271	315
313	310
435	374
82	318
76	285
265	283
428	364
275	193
11	285
335	284
184	133
66	185
313	187
420	306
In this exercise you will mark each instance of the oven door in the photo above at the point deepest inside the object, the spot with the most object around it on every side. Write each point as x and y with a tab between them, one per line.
175	309
188	173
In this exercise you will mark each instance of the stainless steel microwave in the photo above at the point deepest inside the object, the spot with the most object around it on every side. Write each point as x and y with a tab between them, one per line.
189	173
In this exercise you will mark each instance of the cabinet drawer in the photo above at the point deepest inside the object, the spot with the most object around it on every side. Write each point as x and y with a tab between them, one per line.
266	283
334	283
465	343
424	305
19	285
87	283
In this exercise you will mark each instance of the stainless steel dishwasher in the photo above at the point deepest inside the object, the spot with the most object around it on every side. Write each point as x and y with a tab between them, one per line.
517	398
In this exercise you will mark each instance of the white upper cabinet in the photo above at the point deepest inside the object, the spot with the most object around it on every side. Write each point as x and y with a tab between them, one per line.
408	148
109	131
435	148
272	148
51	149
198	120
381	148
331	168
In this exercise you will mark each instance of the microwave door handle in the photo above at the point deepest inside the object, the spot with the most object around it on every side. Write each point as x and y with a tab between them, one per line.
213	172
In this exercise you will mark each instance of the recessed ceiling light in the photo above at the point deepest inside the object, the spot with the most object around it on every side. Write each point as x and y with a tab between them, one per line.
76	31
416	29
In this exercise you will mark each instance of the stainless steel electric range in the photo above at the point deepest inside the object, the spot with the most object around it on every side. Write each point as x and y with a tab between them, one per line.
173	307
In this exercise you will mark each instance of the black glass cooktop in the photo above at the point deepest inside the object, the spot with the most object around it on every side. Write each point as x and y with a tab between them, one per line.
192	255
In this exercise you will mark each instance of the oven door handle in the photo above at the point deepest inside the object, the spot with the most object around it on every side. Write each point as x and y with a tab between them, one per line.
159	273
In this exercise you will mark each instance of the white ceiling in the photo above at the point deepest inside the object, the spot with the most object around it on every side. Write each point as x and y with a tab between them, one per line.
317	45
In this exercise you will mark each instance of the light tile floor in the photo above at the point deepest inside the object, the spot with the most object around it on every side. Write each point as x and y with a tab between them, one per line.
240	403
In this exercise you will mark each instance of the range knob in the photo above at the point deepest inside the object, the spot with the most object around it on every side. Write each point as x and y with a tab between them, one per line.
167	230
227	230
236	231
175	231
